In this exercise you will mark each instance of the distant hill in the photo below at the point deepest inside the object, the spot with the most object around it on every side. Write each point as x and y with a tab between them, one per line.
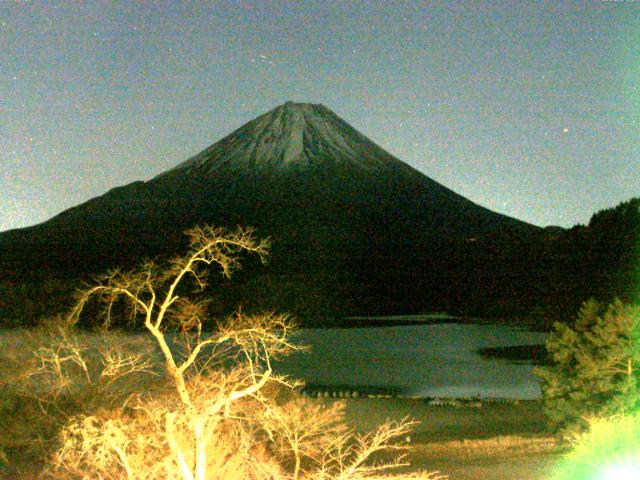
354	229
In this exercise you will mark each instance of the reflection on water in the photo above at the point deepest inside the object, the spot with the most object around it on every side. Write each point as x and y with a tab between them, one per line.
438	360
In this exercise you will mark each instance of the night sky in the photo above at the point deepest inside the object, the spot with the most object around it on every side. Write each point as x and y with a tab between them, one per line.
531	109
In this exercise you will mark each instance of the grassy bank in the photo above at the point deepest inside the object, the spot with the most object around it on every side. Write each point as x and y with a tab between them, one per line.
479	441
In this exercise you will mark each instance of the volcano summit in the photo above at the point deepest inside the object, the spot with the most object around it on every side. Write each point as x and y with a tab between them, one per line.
295	136
354	229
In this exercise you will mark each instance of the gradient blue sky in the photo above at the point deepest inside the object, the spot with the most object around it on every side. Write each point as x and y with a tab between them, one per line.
529	108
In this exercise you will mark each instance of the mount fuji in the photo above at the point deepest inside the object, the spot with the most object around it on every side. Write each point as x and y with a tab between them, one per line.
353	228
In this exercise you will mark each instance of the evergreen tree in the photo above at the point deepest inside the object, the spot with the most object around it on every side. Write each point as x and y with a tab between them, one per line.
596	366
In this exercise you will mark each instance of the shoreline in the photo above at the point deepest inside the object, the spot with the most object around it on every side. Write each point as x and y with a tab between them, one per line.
422	319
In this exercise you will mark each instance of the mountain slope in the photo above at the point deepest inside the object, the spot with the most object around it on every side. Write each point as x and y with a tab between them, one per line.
348	219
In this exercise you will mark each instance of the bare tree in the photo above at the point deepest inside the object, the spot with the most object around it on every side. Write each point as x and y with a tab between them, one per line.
219	417
304	430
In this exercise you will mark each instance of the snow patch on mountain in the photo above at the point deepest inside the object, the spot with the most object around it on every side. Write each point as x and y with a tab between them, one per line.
293	135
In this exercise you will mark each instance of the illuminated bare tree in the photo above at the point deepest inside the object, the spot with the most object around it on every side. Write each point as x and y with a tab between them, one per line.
218	418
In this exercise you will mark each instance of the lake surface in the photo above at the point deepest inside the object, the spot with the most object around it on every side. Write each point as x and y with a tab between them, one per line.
433	360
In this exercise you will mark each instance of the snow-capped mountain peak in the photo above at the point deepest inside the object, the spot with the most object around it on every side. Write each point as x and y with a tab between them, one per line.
293	135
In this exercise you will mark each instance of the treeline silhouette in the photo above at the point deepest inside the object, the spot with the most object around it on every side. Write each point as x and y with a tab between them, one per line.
543	277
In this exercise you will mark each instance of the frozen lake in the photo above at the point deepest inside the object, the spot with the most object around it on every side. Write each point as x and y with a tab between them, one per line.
433	360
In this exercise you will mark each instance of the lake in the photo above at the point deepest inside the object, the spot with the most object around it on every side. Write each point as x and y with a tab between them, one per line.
431	360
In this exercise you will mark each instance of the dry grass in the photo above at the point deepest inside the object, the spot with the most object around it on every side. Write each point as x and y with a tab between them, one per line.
496	441
501	446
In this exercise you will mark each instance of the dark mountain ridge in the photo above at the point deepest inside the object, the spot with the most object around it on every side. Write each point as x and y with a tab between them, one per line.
354	229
